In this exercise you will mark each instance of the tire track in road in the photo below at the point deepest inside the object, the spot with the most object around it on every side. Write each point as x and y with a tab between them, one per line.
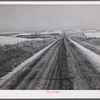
55	76
60	79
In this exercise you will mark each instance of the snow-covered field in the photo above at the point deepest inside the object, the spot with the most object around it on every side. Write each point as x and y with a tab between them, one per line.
50	32
11	40
97	34
93	57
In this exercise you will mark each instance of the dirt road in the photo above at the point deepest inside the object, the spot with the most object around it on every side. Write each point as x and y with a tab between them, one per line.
62	67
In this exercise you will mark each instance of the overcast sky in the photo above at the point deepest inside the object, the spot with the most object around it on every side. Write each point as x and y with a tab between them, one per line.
36	17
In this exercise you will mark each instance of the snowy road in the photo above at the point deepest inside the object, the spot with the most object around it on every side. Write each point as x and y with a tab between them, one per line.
66	65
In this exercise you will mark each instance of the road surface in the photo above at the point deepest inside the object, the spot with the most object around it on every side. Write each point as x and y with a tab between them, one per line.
62	67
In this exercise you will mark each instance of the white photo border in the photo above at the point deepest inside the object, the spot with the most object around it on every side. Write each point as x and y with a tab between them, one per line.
39	94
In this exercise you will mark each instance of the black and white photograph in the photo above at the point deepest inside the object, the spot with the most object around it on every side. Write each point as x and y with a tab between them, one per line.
49	47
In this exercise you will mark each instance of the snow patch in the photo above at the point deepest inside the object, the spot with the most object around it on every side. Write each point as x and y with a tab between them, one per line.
96	34
11	40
